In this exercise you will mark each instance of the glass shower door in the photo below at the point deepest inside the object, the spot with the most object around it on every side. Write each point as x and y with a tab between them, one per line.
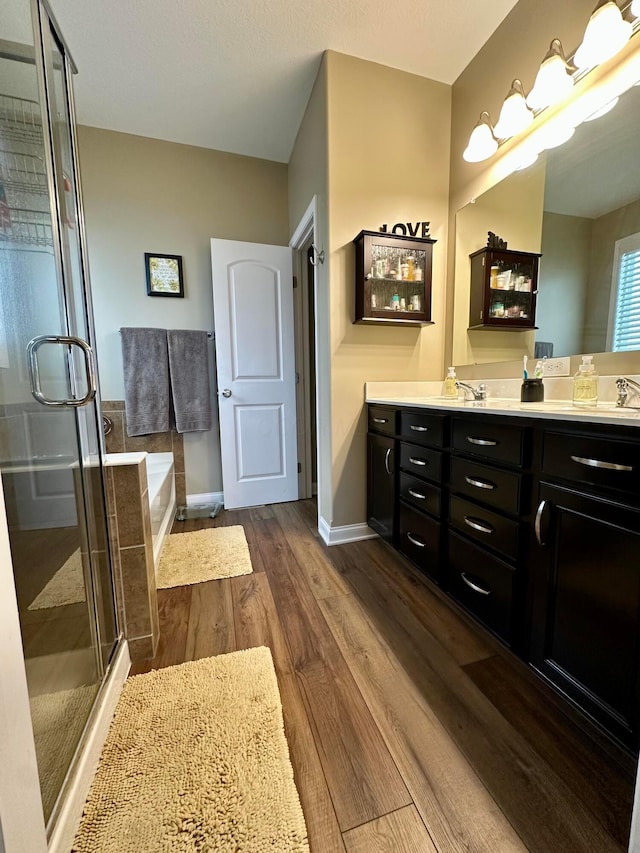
49	419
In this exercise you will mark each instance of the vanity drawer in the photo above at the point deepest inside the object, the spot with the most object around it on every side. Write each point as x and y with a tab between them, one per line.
493	486
612	464
483	584
422	428
382	420
419	540
486	527
500	442
421	461
422	495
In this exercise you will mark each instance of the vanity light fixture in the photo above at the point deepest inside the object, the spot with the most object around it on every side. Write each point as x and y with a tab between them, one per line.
607	33
482	142
635	8
555	136
514	115
553	80
526	160
603	110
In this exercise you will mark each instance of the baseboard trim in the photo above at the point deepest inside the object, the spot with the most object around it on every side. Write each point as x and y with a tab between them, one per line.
205	498
341	534
68	819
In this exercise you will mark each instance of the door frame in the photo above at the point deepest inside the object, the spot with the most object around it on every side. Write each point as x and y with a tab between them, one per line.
302	238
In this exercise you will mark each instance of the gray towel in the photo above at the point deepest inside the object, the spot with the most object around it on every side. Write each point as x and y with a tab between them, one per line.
189	374
146	380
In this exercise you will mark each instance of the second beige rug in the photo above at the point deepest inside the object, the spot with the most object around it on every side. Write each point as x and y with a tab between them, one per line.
204	555
196	761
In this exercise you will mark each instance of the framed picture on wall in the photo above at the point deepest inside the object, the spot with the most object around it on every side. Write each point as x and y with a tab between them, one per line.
164	274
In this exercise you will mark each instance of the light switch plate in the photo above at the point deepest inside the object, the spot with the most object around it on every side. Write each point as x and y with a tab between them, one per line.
557	366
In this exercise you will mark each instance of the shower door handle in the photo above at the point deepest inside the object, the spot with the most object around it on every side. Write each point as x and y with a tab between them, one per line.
89	366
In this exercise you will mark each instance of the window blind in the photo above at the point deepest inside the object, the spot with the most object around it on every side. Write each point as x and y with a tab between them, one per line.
626	329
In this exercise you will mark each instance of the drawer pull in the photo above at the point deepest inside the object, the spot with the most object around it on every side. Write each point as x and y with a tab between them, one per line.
417	542
474	586
483	442
538	523
417	495
387	456
480	484
598	463
478	525
415	461
380	421
416	428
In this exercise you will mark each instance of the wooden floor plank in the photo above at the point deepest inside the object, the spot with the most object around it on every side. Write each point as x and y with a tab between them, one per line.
211	624
174	606
319	572
363	780
452	801
544	811
533	712
258	624
398	832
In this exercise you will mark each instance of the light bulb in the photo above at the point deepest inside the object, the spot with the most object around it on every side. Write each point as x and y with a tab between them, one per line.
606	33
527	160
514	115
635	8
553	80
555	136
603	110
482	143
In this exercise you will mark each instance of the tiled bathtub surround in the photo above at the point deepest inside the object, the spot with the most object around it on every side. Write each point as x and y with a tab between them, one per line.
130	524
163	442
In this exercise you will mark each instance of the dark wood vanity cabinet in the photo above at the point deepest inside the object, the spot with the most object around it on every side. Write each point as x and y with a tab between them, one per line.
531	537
381	473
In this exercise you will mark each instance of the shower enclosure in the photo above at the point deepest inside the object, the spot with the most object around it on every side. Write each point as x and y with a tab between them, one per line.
50	441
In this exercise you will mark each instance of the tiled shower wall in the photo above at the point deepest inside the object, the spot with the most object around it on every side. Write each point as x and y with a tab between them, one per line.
161	442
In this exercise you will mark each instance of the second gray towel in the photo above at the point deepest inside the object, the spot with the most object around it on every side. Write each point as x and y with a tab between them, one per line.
146	380
189	374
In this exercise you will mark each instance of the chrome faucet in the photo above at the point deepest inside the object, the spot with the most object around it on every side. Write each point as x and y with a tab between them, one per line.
479	393
627	388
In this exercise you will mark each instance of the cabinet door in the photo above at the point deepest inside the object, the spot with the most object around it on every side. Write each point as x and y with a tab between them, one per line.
587	605
381	485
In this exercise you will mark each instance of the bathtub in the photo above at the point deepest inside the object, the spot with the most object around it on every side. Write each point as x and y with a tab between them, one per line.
162	498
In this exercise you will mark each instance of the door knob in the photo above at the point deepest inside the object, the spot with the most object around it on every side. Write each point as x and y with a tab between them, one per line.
226	392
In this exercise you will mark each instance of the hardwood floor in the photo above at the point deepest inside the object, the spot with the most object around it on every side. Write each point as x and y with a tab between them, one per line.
409	729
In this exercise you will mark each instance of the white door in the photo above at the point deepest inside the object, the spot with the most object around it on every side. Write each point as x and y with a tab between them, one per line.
253	320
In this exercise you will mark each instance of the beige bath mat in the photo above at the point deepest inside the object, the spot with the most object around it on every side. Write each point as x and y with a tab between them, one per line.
65	587
196	760
204	555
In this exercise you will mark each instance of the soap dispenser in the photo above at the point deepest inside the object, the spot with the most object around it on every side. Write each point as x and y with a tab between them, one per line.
585	383
450	387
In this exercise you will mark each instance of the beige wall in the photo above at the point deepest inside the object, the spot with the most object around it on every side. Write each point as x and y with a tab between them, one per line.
564	274
513	210
145	195
308	177
388	136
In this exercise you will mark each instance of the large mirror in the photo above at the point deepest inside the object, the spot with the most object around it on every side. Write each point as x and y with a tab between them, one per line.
578	205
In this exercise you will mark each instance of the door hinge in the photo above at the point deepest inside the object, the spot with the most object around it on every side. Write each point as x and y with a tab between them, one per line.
299	468
295	281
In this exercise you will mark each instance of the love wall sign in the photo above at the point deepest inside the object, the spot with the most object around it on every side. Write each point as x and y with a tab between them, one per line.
408	229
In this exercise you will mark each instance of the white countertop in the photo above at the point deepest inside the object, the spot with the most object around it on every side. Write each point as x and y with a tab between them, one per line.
428	395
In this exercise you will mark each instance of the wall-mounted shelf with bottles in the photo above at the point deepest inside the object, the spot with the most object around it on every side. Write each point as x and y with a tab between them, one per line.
504	286
393	279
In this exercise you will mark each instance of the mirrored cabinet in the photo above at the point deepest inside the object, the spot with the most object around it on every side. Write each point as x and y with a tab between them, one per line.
504	286
393	279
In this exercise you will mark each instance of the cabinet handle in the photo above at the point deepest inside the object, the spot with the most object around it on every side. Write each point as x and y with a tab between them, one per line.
474	586
387	455
480	484
477	525
484	442
416	428
380	420
415	461
417	542
417	495
537	526
597	463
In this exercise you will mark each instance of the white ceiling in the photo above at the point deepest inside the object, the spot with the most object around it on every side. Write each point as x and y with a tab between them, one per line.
236	74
